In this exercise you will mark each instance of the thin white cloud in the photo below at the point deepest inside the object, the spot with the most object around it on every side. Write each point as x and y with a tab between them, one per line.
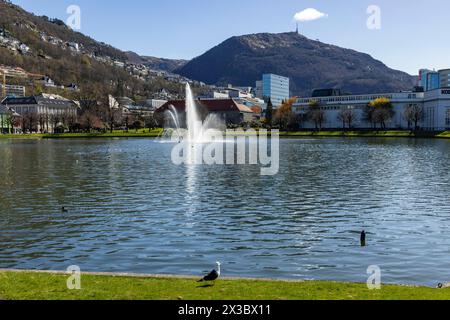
309	14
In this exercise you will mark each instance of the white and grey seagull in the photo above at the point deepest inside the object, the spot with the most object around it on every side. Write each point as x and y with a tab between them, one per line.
213	275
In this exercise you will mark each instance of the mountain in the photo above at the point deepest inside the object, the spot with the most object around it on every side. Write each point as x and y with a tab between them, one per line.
154	63
309	64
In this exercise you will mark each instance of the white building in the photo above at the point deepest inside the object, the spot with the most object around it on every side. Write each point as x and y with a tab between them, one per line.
435	105
44	111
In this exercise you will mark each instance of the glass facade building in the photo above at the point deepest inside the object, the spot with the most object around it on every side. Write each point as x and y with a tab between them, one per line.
276	88
433	81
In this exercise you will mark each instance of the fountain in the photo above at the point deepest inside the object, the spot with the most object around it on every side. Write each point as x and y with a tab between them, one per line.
197	131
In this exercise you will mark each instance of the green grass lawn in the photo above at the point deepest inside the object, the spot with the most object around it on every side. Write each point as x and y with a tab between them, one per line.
157	132
46	286
115	134
387	134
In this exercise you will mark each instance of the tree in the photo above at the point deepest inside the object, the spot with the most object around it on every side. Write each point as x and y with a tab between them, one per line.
29	120
114	115
380	111
43	122
316	114
126	122
54	121
137	124
347	116
269	113
284	116
413	113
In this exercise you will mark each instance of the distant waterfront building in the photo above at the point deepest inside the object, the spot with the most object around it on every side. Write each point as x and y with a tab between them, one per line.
432	80
44	111
444	78
231	111
274	87
435	105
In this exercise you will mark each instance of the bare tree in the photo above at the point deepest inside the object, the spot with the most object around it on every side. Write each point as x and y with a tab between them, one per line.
54	121
29	121
316	114
114	117
413	113
43	121
347	116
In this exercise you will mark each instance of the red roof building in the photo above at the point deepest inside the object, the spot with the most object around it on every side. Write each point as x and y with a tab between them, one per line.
227	109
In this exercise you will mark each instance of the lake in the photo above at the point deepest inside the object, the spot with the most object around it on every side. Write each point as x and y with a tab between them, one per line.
131	210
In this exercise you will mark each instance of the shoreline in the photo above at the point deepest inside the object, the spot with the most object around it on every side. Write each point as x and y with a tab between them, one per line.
298	134
52	285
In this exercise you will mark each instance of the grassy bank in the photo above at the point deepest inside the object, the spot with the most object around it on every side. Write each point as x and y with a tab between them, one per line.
50	286
115	134
157	132
382	134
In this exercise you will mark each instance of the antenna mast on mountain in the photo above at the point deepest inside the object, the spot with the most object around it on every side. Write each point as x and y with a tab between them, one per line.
297	29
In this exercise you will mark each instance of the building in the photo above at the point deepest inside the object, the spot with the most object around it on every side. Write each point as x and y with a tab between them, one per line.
432	80
137	111
435	105
274	87
12	91
444	78
229	110
44	112
155	103
46	81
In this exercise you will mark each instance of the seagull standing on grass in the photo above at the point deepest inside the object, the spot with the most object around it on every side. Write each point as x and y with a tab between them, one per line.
213	275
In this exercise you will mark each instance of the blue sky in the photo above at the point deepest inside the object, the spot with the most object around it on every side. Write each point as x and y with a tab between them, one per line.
412	34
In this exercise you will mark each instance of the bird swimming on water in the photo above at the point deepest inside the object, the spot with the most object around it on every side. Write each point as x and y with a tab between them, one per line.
363	238
213	275
63	209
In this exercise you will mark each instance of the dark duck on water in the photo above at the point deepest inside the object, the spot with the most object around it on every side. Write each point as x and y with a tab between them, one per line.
363	238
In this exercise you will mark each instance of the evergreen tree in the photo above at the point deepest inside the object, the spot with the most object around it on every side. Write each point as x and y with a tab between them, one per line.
269	112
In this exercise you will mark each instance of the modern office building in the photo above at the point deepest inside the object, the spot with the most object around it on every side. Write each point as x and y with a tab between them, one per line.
435	106
444	78
274	87
433	81
429	79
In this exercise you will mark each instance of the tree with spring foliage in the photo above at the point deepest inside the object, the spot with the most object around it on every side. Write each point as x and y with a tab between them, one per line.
380	111
284	116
